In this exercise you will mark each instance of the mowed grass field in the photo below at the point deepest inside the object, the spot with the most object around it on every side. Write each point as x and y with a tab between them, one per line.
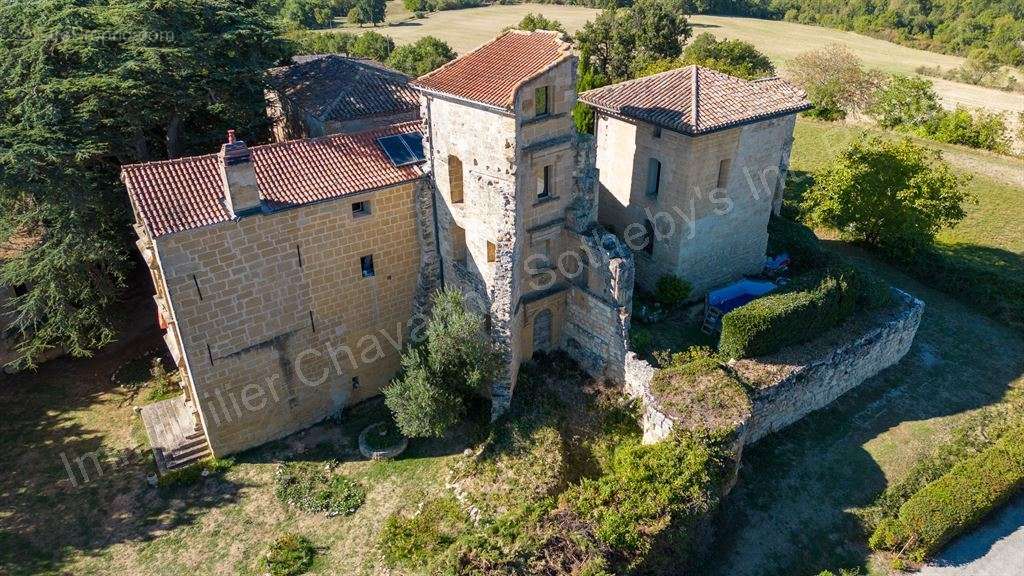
781	41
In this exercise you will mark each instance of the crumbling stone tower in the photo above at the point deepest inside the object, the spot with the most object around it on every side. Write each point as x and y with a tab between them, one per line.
515	227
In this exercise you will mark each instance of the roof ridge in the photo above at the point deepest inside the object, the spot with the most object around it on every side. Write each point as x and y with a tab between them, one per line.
451	62
694	97
178	160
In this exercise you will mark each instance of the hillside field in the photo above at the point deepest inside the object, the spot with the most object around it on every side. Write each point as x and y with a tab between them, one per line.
781	41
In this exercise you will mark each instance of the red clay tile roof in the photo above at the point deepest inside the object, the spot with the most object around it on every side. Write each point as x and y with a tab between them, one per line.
492	73
185	193
335	87
696	100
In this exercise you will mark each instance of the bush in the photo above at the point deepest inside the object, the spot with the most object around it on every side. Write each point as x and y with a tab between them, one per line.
413	541
981	129
191	474
905	101
441	374
532	22
649	488
373	45
423	56
835	81
289	555
640	340
803	310
314	487
892	195
671	290
956	501
326	42
734	57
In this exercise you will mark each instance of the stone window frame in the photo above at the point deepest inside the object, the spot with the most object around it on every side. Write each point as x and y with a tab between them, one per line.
541	94
361	209
366	266
724	167
456	179
545	183
654	177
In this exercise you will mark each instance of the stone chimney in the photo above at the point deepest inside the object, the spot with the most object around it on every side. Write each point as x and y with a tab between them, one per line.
241	192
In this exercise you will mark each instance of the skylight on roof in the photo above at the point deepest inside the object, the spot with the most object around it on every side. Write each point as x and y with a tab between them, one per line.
403	149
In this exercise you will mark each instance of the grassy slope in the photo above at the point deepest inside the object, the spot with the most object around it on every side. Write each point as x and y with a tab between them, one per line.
790	514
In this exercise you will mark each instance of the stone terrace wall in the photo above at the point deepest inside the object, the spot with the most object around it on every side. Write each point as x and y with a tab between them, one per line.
784	392
794	382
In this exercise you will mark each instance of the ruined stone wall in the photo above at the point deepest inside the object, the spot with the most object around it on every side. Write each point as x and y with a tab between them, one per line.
279	328
786	386
784	391
702	233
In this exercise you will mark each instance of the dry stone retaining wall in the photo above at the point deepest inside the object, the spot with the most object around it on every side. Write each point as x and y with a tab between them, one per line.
791	391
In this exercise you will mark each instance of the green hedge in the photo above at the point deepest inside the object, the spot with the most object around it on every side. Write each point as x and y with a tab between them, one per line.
808	306
956	501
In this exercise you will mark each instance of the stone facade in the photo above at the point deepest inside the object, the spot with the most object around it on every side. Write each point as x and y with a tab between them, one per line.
516	229
275	323
786	386
704	200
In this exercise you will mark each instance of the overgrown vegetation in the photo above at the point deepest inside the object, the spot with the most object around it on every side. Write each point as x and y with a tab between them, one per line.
836	82
733	57
693	387
672	290
442	375
424	55
414	541
316	488
189	475
289	555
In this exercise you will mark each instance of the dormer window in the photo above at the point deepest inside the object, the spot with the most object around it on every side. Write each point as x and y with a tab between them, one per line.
540	101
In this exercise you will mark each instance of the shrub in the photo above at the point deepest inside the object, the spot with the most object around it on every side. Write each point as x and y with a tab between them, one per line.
956	501
806	308
981	129
191	474
905	101
325	42
835	80
648	488
423	56
289	555
640	340
672	290
532	22
734	57
412	541
893	195
314	487
440	375
373	45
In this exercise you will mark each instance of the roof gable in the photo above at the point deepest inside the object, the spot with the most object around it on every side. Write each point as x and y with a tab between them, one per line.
696	100
492	73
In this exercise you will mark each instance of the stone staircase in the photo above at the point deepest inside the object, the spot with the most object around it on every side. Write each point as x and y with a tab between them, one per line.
194	449
176	439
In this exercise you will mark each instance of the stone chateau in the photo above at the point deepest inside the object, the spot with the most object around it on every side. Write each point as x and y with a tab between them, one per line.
289	276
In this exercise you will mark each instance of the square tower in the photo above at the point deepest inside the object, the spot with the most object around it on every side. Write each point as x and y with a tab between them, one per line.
502	153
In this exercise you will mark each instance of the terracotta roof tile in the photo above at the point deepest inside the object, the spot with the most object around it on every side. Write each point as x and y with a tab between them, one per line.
185	193
697	100
493	72
339	88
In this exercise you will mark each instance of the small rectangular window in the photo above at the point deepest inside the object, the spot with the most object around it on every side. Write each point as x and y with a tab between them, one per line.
544	183
366	264
657	131
723	172
653	177
361	208
540	99
492	252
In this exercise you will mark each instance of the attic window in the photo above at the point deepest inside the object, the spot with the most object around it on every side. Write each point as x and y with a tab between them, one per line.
540	100
403	149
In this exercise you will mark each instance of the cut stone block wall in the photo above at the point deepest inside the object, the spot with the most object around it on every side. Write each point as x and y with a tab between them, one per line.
784	390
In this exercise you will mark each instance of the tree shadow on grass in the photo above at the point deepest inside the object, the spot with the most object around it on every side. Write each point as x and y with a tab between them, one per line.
75	470
791	512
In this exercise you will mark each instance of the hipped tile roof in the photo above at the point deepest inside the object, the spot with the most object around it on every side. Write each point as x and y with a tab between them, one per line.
492	73
185	193
332	87
696	100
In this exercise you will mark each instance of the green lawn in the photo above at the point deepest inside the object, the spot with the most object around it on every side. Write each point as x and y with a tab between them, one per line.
791	513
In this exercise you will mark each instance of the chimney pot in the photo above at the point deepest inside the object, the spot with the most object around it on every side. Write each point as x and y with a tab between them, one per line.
231	136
